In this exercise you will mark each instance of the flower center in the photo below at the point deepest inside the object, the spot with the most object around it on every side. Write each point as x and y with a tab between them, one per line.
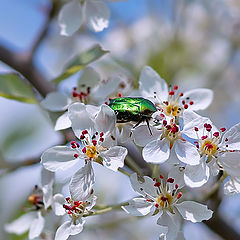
172	109
171	132
36	198
74	209
164	200
91	151
167	193
175	104
208	147
81	96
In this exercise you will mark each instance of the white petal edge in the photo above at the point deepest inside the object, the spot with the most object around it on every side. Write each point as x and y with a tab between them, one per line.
186	152
231	163
97	15
233	136
151	82
59	157
114	157
105	120
196	176
36	226
157	151
232	186
193	211
56	102
21	224
70	17
63	231
76	112
63	122
82	183
202	98
138	207
57	205
143	186
142	135
89	78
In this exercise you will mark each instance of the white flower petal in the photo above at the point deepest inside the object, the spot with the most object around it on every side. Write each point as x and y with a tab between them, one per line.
114	157
77	228
89	78
124	134
170	224
82	183
92	201
202	98
232	186
80	119
36	227
186	152
97	15
196	176
105	89
56	102
21	224
214	167
47	195
151	82
105	119
47	179
157	151
138	207
231	163
233	136
70	17
63	231
142	135
192	120
59	157
193	211
63	122
177	173
57	205
143	186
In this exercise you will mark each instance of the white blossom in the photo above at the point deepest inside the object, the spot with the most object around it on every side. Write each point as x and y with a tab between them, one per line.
162	198
165	138
95	12
97	142
41	199
218	150
79	204
171	101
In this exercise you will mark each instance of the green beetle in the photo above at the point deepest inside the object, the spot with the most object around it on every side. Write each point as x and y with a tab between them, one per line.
136	109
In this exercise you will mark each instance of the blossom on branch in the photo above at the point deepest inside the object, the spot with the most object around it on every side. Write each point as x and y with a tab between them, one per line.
163	198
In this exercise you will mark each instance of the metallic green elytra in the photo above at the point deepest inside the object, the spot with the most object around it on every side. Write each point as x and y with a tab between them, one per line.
136	109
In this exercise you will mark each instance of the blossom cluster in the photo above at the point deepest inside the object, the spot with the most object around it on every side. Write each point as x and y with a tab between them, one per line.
188	143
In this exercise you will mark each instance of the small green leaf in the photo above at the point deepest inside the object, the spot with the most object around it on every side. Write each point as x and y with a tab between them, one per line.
81	61
12	86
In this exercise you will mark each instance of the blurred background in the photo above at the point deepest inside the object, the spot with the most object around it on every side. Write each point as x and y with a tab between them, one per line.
191	43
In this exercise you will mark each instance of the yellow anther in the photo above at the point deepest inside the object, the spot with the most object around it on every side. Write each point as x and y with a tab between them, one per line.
91	151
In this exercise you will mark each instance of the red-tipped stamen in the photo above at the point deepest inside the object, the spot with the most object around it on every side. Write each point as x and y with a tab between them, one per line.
170	180
179	195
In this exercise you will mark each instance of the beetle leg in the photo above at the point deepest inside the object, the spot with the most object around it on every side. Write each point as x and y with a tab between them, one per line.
148	126
141	120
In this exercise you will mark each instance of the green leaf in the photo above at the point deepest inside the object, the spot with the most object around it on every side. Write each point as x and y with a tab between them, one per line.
81	61
12	86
